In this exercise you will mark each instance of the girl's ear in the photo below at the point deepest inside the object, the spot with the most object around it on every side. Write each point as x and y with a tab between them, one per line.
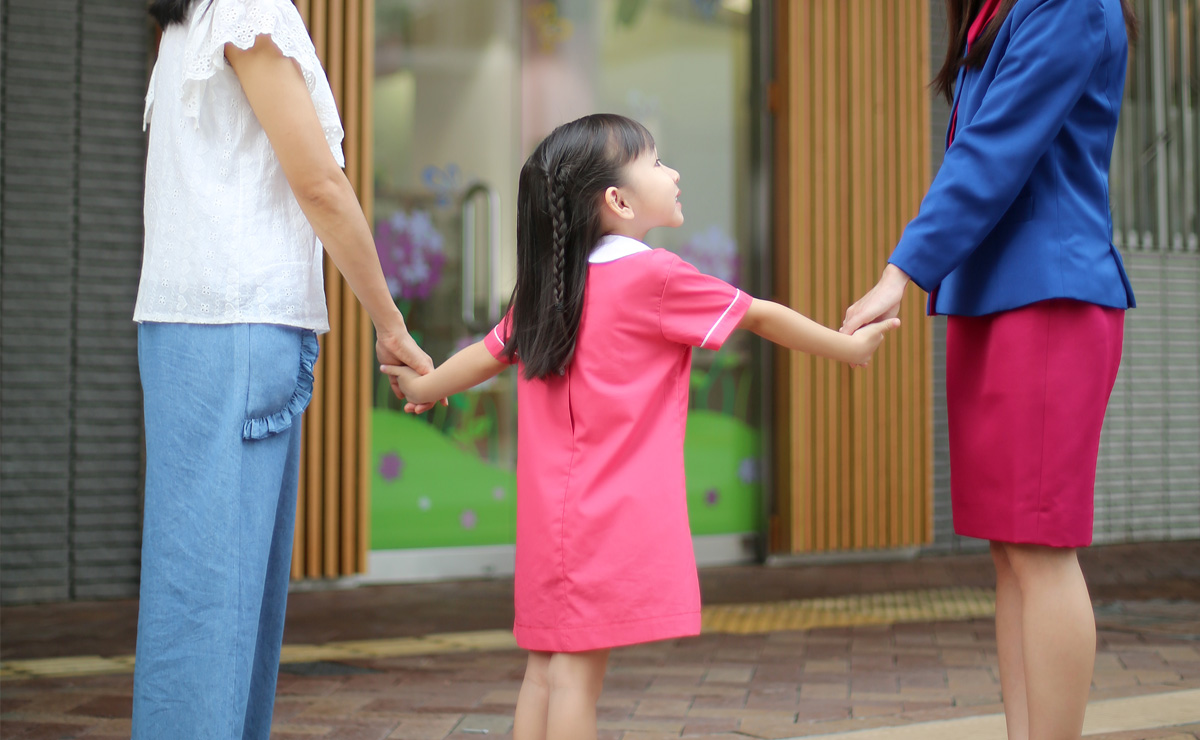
615	204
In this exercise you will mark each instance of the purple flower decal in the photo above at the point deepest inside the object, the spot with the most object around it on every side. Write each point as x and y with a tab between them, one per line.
713	252
711	497
410	252
498	493
391	466
748	470
468	520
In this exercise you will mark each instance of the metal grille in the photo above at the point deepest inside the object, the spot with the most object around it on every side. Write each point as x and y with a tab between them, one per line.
1155	175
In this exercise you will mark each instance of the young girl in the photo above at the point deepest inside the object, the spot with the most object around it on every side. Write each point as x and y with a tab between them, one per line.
602	328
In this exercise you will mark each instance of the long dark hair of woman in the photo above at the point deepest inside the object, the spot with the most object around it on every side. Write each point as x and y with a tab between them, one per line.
167	12
559	197
960	14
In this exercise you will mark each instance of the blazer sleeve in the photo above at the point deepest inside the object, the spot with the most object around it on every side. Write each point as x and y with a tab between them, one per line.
1051	54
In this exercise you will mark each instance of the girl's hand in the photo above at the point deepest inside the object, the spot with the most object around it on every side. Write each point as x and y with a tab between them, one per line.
401	378
868	338
396	347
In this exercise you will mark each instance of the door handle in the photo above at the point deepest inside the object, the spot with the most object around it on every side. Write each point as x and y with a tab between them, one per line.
470	197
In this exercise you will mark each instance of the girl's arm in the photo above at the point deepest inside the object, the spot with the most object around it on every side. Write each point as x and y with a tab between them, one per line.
467	369
785	327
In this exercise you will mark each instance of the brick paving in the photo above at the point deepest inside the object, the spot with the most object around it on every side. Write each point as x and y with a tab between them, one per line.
717	686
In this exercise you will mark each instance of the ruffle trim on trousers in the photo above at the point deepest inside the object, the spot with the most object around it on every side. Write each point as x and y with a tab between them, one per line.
264	426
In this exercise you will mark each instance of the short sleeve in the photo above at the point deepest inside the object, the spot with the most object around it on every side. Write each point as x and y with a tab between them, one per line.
498	337
241	22
697	309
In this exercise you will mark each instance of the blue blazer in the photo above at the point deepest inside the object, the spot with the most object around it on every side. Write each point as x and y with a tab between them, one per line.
1018	212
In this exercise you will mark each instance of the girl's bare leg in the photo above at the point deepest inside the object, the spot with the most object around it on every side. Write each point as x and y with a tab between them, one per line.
575	681
1058	635
1009	645
529	722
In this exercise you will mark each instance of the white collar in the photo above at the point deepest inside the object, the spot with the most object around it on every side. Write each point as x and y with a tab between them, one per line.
613	247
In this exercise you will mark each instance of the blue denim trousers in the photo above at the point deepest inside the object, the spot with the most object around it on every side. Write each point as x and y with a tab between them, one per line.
222	409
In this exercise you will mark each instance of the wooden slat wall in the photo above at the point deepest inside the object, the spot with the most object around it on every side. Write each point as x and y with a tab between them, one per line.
333	507
854	447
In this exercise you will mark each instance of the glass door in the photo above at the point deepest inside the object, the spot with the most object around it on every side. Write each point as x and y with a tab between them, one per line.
464	89
447	155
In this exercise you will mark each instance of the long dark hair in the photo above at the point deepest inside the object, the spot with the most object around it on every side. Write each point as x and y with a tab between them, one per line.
960	14
559	197
167	12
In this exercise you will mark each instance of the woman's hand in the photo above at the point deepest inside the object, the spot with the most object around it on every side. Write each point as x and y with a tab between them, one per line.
881	302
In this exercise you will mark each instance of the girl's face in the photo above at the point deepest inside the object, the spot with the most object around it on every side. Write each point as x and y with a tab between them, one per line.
648	198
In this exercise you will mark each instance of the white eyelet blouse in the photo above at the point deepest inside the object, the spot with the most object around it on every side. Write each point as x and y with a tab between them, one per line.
226	241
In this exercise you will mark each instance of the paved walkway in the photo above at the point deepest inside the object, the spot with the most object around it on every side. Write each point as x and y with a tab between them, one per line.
908	655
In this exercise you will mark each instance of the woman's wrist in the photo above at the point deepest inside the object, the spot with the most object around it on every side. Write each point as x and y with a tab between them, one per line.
893	274
390	324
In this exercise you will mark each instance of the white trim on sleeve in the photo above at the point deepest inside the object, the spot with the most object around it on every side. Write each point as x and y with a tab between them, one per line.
723	315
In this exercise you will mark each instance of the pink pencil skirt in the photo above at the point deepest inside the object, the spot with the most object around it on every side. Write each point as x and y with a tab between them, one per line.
1026	392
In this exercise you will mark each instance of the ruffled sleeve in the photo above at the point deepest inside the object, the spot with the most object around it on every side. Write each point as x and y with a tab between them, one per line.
240	22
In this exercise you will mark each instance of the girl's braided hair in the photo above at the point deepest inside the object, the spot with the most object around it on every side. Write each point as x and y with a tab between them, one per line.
559	197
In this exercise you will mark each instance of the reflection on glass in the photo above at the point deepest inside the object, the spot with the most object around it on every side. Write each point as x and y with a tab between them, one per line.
464	89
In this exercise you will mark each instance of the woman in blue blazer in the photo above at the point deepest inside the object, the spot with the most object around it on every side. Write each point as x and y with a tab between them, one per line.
1013	242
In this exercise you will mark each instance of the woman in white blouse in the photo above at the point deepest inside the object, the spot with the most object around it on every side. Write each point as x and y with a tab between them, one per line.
243	187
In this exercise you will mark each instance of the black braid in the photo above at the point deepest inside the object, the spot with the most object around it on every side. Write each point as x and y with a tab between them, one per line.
558	218
559	222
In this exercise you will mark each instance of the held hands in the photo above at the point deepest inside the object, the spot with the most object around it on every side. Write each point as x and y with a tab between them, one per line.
878	307
397	348
881	302
868	339
401	377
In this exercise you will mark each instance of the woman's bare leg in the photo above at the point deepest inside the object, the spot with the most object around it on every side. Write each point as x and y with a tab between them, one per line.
529	722
1009	645
575	681
1058	635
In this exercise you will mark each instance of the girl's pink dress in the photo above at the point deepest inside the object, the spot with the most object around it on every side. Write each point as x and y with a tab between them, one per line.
604	552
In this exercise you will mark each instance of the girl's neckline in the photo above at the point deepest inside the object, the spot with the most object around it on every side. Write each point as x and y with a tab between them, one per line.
613	247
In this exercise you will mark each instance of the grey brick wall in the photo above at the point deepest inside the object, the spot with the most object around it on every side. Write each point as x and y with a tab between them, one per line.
72	81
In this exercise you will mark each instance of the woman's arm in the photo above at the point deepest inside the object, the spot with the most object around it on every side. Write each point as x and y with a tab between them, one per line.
279	97
1039	80
467	369
783	326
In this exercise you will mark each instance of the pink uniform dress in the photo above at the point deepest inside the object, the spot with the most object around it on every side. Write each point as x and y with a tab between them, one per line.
604	551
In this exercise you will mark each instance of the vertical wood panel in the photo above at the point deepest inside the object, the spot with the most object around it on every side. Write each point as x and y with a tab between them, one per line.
857	95
366	332
852	137
876	187
333	507
352	357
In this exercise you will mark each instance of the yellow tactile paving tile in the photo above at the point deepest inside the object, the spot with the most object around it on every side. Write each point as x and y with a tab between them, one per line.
847	611
851	611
